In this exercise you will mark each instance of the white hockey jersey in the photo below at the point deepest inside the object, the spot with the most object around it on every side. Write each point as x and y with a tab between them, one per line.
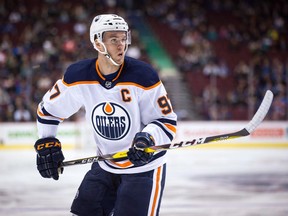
117	107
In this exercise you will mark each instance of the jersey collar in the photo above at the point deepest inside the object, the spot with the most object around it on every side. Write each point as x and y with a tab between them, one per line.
102	77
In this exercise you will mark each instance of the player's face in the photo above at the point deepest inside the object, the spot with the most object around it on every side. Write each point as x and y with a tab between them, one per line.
115	42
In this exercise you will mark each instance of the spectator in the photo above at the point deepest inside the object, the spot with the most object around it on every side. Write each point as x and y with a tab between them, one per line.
21	114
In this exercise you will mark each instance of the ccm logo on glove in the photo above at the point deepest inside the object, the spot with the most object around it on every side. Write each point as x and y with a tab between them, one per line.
48	145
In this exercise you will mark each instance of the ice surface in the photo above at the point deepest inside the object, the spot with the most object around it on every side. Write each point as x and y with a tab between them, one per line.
200	182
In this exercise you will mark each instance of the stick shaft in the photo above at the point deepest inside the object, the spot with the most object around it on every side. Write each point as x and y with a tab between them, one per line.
251	126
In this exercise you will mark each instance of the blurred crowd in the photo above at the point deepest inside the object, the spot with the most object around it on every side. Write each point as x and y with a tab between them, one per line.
244	42
39	39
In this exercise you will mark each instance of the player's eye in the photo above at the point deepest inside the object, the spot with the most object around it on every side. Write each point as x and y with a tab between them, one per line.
113	41
116	41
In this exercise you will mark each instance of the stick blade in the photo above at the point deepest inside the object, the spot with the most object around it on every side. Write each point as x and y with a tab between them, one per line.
261	112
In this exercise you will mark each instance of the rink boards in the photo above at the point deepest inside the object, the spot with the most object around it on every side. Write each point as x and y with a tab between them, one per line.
79	134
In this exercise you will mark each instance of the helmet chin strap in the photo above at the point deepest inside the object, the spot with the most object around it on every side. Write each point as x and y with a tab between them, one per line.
105	53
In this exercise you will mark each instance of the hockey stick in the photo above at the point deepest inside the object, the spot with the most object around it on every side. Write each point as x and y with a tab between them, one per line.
250	127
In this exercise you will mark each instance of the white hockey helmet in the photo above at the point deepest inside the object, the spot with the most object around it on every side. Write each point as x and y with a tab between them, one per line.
107	22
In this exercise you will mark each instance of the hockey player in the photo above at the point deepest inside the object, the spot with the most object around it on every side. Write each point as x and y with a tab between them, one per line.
127	106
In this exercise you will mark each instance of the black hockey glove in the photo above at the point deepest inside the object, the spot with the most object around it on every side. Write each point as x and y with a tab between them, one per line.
49	157
136	153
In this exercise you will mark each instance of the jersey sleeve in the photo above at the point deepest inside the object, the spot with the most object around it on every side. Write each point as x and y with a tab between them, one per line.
157	114
59	103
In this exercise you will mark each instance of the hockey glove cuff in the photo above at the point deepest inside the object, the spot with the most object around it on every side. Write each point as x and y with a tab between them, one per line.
49	157
136	153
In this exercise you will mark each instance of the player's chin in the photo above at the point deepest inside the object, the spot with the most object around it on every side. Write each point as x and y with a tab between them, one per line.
120	58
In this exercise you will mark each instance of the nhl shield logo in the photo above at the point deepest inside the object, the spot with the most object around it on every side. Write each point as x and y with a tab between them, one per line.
108	84
110	121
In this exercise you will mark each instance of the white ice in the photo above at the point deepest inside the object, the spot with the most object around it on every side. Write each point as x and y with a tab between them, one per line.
200	182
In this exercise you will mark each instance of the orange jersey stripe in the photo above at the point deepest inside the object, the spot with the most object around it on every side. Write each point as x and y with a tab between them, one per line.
171	127
40	113
156	194
118	84
137	85
79	83
122	165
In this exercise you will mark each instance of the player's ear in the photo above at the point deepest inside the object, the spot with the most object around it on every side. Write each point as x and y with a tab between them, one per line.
99	45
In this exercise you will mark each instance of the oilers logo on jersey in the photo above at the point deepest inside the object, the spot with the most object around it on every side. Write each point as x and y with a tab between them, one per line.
110	121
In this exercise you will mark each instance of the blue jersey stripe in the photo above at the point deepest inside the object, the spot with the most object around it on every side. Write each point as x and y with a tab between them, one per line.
164	129
169	121
45	121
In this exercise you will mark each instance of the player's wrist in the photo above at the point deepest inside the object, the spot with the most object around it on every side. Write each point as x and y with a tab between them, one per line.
143	140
